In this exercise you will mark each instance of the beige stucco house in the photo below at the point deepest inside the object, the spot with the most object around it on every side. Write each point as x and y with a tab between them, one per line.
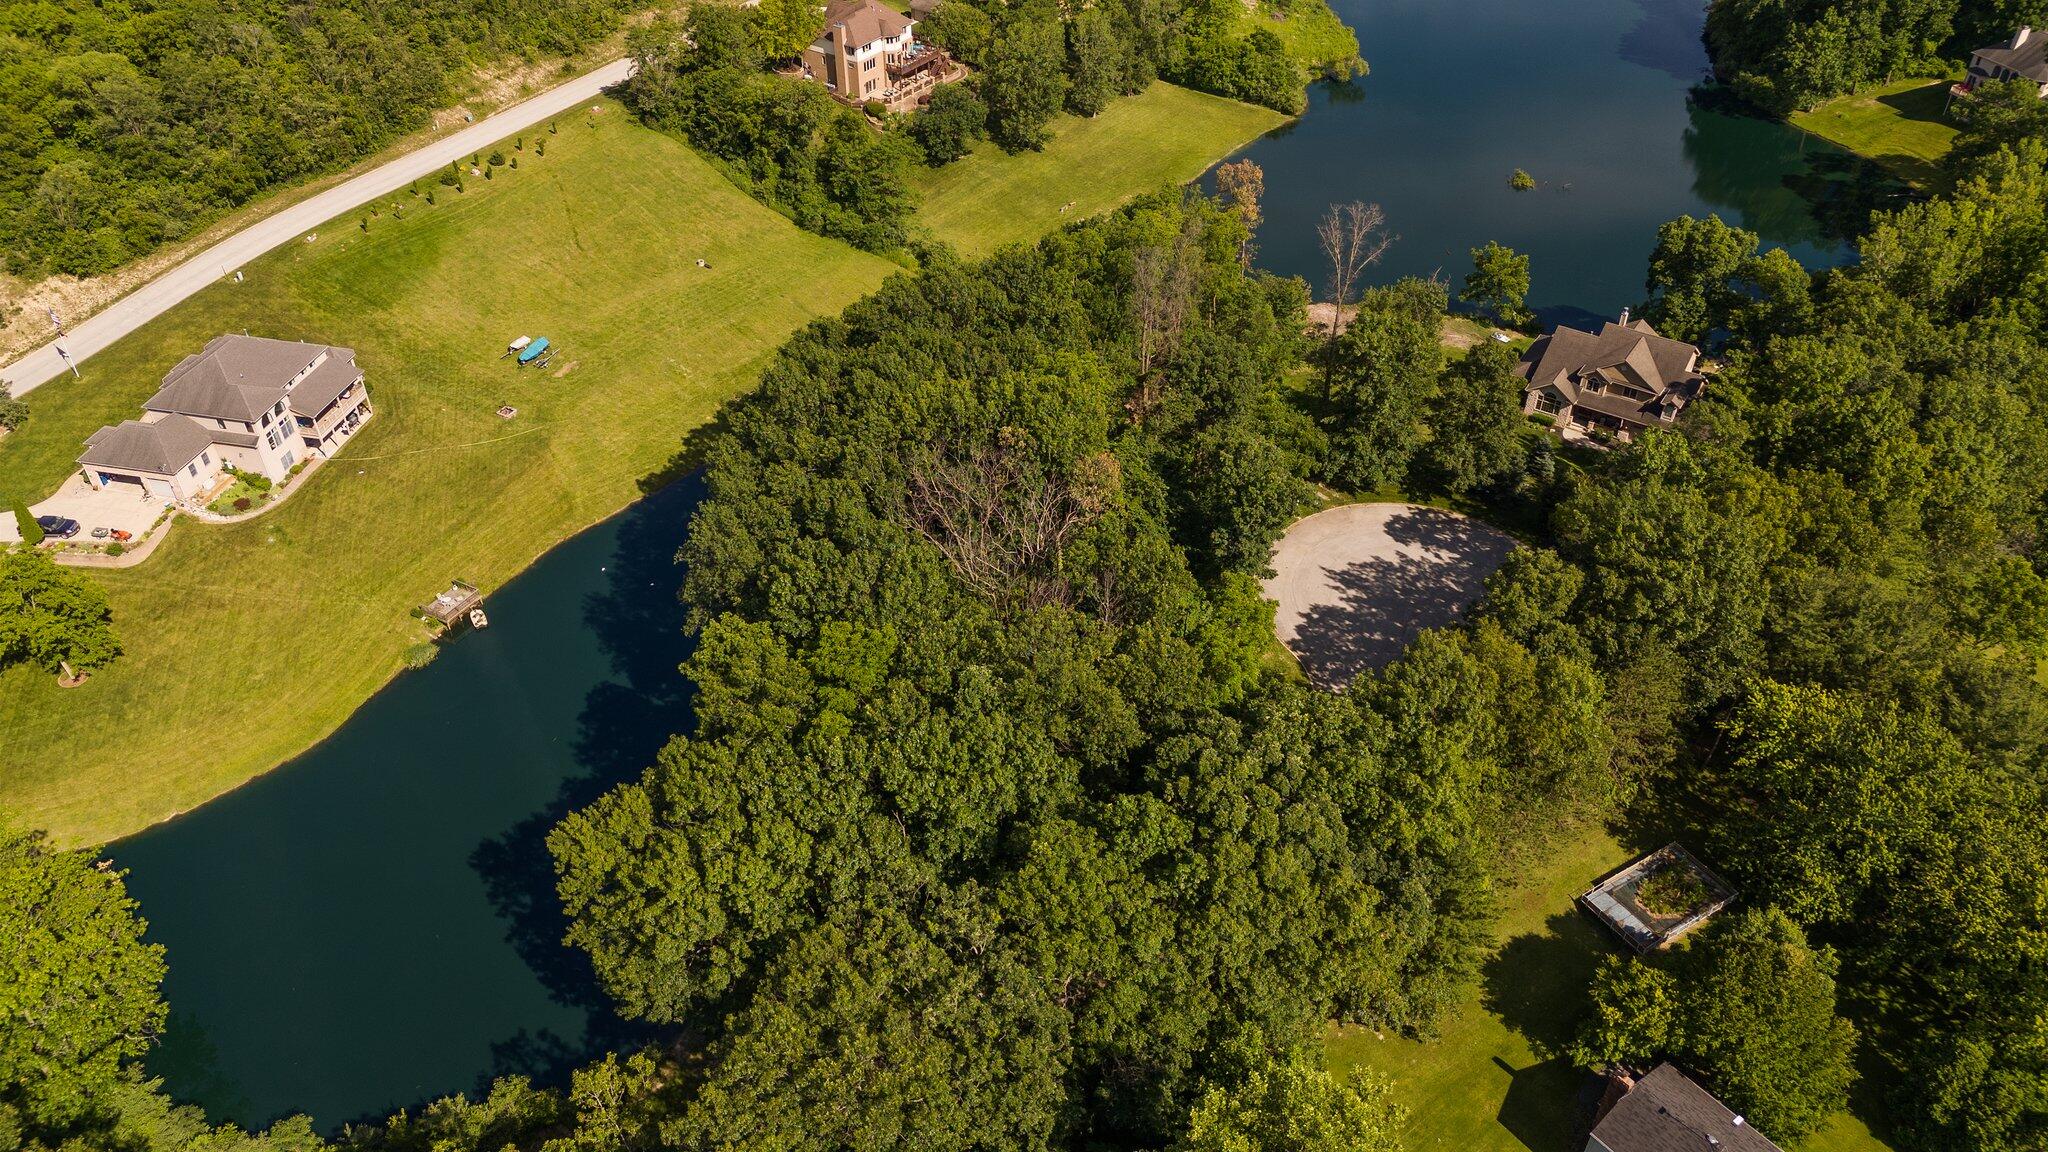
869	51
259	405
1624	378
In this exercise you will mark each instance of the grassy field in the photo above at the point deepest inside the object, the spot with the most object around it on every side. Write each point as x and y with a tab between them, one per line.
1495	1081
1313	35
247	643
1163	136
1900	125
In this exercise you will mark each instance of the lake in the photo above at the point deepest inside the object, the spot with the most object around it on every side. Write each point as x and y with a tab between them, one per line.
374	925
1591	97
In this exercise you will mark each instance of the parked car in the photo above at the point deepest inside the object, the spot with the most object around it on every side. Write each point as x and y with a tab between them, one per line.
62	527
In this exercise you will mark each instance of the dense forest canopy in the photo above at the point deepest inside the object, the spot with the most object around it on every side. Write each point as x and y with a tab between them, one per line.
1000	822
127	124
1783	55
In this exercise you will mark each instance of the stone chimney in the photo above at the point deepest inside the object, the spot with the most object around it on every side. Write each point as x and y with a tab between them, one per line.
1624	317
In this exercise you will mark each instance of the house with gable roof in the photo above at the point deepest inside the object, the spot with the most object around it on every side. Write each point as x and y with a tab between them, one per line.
1666	1111
257	404
1624	378
2024	57
868	51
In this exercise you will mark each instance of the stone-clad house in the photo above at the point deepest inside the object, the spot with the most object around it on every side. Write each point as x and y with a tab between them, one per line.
259	405
1624	378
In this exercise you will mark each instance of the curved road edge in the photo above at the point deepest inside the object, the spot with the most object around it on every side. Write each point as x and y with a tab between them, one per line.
154	298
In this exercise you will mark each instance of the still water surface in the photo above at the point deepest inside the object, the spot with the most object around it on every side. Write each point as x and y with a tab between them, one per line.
373	924
1592	98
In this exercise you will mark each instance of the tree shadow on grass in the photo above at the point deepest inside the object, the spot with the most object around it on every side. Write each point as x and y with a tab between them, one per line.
1546	1105
1536	982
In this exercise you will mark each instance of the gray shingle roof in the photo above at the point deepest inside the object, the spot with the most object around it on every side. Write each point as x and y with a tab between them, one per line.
162	448
1631	353
2030	59
326	382
235	377
1667	1112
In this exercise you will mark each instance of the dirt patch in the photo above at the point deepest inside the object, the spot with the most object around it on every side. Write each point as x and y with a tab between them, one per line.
1454	333
1357	583
565	369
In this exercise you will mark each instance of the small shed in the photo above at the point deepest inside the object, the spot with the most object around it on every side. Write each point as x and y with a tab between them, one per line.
531	352
1655	899
452	605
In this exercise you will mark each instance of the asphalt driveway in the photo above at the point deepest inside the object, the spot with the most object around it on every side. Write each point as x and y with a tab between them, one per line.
1358	582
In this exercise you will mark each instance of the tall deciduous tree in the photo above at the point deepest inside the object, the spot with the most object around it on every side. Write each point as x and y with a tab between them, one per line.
78	986
1353	237
1296	1105
1499	282
1242	184
52	617
1024	83
787	27
1475	419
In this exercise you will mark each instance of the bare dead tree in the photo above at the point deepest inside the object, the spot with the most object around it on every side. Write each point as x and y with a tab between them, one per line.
1354	236
1002	519
1163	280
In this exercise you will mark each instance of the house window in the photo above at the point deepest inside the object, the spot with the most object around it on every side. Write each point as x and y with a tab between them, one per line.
287	459
870	87
206	459
1547	402
266	419
191	469
867	65
272	438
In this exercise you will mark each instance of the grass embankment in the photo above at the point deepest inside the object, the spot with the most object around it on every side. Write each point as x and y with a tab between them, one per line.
1312	34
1495	1080
1902	126
1162	136
247	643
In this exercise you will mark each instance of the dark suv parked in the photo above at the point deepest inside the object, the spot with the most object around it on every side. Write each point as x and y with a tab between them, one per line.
62	527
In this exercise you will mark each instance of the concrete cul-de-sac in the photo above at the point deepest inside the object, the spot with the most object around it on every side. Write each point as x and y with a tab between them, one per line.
1357	583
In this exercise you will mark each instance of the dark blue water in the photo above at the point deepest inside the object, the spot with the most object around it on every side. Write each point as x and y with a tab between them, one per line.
374	924
1594	98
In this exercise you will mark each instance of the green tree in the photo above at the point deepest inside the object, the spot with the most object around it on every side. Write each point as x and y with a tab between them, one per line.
1638	1015
25	524
1382	372
78	986
948	126
1095	58
784	28
1024	84
52	617
962	29
1296	1105
1242	496
13	412
1760	1020
1499	281
1692	270
1475	419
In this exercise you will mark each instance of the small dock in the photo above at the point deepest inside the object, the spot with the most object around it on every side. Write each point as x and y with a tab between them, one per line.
452	606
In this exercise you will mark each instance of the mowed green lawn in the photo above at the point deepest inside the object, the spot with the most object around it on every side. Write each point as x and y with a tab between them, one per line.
1163	136
1496	1079
1902	126
247	643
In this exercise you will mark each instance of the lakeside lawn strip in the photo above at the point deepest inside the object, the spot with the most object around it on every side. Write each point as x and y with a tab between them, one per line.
1902	126
247	643
1164	135
1495	1078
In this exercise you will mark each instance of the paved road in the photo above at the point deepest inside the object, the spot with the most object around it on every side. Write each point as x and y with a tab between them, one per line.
159	295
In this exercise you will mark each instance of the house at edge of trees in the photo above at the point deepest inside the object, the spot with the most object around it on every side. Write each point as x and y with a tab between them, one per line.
1624	378
1666	1112
259	405
869	51
2024	57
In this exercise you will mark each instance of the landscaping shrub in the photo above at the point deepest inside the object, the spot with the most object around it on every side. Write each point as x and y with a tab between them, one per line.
497	159
875	108
242	504
13	413
31	532
116	548
420	655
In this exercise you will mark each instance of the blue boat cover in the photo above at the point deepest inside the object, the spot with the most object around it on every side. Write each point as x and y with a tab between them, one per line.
532	351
